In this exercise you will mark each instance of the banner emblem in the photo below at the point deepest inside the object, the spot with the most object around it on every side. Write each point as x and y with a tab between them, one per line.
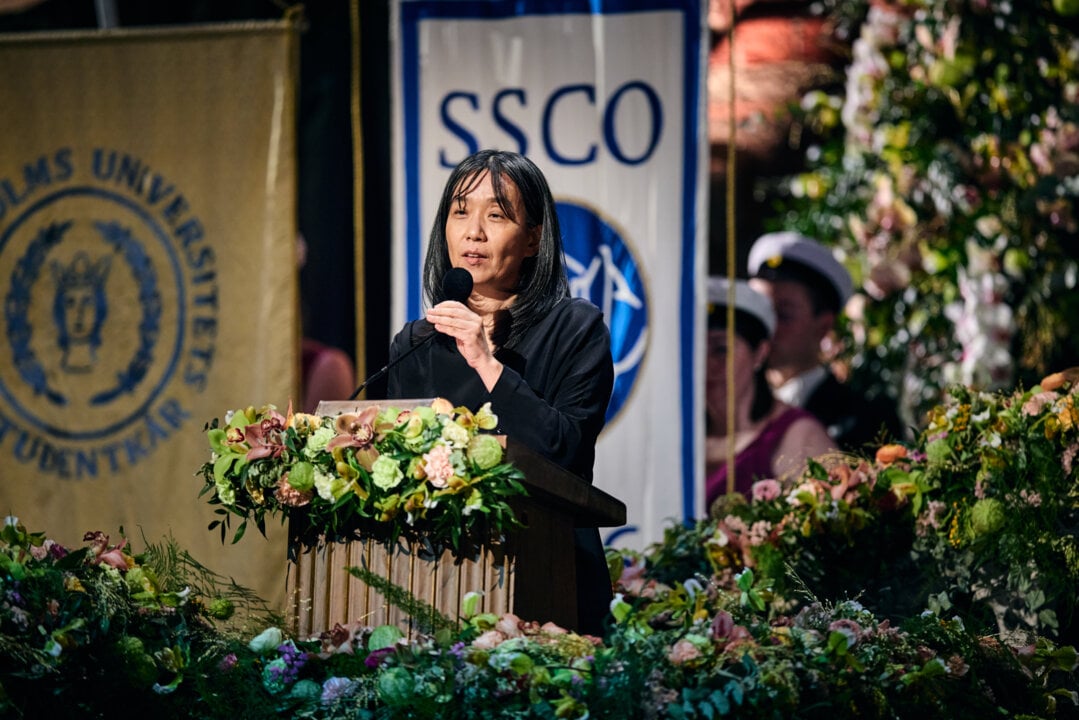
99	277
602	268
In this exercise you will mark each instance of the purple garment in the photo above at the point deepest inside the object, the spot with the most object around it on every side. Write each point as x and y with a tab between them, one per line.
755	461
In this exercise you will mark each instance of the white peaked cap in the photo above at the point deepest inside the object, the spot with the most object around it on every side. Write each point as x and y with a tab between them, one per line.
772	249
746	299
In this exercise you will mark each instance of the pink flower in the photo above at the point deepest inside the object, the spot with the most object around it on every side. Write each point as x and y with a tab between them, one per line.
1034	405
931	518
683	652
357	431
47	548
1069	457
437	465
290	496
341	639
766	490
850	628
1031	497
265	438
633	580
489	640
722	625
509	625
114	557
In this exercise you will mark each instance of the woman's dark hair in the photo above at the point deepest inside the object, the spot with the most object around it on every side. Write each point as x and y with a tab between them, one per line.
752	330
543	279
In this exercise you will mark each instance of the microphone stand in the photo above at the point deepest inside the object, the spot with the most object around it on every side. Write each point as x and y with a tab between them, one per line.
378	375
456	285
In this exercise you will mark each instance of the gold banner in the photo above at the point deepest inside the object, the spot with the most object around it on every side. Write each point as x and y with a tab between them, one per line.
148	273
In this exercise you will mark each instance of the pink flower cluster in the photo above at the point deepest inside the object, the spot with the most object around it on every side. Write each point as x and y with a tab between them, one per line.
437	465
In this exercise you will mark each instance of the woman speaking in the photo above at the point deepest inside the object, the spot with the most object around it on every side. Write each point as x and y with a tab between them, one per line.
516	339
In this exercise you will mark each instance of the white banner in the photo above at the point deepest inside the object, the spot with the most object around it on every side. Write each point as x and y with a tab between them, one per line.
607	98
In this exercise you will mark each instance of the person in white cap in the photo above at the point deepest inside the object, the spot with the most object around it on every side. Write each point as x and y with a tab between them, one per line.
809	288
772	439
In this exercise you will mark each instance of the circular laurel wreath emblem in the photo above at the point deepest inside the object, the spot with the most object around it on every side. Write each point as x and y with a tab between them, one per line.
26	273
17	303
150	301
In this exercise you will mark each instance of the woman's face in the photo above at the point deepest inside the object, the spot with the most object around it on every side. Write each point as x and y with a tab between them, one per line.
745	361
484	240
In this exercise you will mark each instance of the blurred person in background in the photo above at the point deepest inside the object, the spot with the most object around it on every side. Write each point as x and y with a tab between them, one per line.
772	439
809	288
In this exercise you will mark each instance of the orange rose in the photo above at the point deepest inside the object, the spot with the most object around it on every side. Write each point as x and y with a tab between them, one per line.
888	454
1052	382
1059	379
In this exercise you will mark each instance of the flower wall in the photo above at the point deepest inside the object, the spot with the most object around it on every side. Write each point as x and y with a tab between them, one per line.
944	167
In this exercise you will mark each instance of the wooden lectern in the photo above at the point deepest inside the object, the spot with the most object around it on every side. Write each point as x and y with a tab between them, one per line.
532	574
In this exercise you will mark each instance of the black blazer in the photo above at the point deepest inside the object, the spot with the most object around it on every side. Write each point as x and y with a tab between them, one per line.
552	397
856	424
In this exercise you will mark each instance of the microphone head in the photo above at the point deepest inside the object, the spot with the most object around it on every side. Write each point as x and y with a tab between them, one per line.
457	284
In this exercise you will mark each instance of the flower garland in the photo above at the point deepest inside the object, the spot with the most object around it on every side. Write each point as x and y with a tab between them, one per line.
428	474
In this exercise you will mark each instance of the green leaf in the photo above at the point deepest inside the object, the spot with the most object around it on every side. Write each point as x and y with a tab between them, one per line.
521	664
470	603
620	609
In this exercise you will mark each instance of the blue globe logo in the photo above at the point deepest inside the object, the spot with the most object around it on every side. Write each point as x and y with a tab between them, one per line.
601	268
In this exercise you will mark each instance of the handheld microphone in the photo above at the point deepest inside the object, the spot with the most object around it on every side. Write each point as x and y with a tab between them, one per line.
456	285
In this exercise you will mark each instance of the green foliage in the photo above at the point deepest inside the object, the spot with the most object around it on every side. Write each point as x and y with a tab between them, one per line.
978	518
426	618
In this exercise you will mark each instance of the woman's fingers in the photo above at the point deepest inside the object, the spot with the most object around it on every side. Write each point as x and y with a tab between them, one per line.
459	322
453	318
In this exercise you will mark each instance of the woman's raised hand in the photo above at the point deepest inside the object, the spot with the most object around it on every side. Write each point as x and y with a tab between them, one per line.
466	327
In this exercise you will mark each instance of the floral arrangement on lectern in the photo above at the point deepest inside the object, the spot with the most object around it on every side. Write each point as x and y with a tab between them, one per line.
429	474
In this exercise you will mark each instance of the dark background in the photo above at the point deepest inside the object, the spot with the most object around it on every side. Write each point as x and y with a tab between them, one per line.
324	143
770	31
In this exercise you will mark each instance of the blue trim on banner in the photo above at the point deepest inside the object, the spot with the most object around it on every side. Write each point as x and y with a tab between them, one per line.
410	89
413	10
689	244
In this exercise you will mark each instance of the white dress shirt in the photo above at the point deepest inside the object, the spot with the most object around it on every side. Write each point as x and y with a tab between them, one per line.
797	390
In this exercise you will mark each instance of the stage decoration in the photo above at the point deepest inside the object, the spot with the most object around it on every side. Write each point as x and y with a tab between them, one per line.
430	475
943	172
85	628
935	579
979	519
82	630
